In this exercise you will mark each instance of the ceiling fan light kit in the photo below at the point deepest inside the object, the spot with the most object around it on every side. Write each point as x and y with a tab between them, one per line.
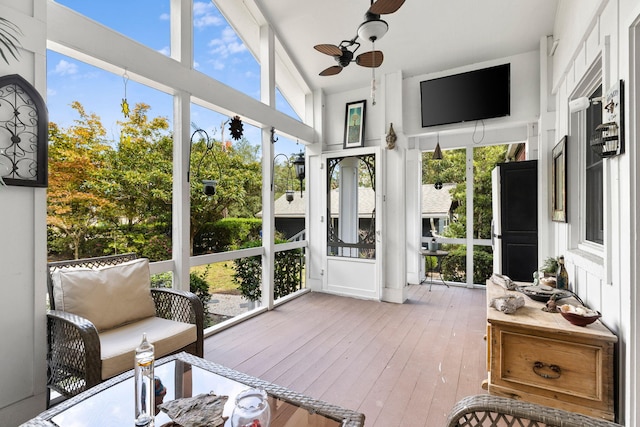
373	28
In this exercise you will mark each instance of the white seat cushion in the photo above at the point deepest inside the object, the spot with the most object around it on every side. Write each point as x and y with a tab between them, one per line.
108	296
117	346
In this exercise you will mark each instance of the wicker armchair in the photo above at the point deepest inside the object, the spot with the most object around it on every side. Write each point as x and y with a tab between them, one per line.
74	361
486	410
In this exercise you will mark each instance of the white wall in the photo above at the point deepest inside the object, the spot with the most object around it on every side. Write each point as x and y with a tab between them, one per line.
23	248
596	33
398	102
525	93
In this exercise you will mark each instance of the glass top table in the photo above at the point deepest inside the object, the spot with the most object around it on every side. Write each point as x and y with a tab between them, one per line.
111	403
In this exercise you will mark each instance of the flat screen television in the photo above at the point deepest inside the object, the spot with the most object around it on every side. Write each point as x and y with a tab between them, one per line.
474	95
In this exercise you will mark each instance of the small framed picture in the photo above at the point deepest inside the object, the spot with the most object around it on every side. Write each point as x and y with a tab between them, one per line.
559	181
354	124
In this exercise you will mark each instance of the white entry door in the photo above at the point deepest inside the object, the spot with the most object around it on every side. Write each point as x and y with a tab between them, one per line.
352	221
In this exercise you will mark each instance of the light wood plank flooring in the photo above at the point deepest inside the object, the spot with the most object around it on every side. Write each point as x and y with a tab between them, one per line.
399	364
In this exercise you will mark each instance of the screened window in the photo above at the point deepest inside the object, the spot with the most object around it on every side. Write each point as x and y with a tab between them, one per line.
593	176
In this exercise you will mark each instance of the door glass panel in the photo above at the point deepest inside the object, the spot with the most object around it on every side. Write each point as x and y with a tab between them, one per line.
485	160
351	207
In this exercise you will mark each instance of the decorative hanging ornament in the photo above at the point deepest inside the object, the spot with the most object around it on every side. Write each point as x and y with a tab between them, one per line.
391	138
235	126
124	104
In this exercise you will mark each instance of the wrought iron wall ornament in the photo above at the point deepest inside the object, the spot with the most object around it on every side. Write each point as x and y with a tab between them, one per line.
24	126
236	128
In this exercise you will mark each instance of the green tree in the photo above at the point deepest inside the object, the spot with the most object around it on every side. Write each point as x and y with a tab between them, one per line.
76	154
238	172
451	169
138	176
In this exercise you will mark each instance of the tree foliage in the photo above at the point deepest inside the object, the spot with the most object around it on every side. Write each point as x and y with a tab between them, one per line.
452	169
76	156
123	188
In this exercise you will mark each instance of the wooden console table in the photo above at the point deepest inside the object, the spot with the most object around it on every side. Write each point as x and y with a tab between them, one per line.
540	357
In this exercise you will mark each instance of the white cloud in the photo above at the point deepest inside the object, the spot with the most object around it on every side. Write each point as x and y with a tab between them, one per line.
228	44
51	92
218	65
165	17
166	51
65	68
196	65
206	15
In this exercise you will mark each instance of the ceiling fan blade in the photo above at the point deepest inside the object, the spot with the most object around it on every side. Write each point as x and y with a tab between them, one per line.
328	49
331	71
383	7
372	59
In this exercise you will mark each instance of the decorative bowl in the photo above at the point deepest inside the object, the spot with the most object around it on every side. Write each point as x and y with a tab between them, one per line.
579	316
543	293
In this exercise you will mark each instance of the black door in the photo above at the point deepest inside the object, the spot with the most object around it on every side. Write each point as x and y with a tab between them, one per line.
519	212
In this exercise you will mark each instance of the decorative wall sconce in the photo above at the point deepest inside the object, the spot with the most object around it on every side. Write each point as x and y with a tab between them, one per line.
608	138
23	133
298	164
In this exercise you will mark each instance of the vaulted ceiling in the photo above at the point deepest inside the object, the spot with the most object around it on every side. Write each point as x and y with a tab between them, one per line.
424	36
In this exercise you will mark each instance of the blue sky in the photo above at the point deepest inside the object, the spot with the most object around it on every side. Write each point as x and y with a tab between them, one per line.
218	53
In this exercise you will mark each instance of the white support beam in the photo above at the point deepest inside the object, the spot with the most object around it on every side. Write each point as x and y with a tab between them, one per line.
67	31
181	32
181	202
268	97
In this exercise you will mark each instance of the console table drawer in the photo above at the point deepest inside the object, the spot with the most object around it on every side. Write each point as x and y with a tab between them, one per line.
539	357
550	366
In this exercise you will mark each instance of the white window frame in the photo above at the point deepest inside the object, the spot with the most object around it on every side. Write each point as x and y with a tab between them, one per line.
593	253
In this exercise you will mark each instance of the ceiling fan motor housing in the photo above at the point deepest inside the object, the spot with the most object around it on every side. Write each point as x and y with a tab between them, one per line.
345	58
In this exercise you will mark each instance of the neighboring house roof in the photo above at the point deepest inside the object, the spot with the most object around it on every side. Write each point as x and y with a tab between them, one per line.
435	203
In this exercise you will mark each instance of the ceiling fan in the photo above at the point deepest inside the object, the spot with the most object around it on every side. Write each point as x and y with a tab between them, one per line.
372	29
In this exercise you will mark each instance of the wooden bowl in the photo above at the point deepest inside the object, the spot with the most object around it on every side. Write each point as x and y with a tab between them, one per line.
578	319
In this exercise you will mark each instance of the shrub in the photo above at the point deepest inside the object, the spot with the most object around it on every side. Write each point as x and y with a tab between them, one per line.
197	284
287	273
454	265
227	234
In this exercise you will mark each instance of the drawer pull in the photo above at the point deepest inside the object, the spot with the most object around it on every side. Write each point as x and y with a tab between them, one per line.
552	372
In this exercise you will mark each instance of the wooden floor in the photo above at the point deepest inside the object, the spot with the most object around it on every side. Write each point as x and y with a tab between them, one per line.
399	364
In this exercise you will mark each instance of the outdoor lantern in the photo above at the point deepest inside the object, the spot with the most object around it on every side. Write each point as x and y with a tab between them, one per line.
298	163
289	195
288	192
208	185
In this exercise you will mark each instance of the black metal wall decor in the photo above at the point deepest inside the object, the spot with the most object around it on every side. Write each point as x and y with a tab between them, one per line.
608	137
23	133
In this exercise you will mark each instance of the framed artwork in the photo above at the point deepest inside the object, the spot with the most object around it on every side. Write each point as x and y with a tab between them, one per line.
559	181
354	124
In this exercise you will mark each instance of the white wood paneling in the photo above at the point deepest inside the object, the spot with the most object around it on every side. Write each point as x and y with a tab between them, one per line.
352	277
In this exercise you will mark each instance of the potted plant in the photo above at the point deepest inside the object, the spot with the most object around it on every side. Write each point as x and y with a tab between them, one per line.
549	267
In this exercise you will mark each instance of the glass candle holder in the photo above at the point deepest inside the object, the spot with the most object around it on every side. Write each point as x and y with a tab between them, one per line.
144	381
251	409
